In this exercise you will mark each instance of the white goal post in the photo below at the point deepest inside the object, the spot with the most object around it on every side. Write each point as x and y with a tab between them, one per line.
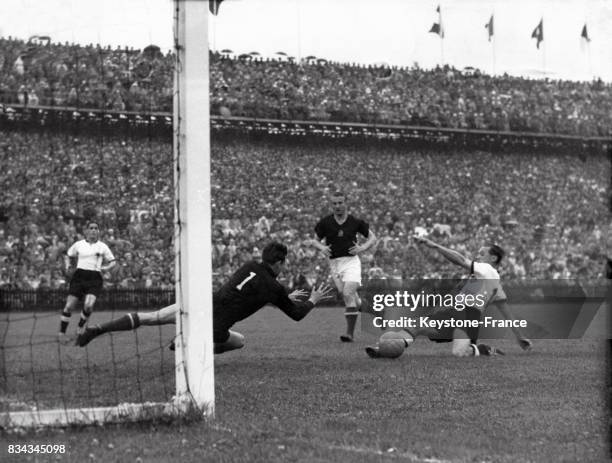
194	368
194	375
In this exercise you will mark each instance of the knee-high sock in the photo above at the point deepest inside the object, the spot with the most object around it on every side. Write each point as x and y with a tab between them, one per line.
84	317
128	322
351	315
64	321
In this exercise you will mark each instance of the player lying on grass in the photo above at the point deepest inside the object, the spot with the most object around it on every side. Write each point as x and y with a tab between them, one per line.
250	288
483	279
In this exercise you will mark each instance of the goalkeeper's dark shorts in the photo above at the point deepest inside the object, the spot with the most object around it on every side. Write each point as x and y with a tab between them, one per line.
221	327
220	335
445	334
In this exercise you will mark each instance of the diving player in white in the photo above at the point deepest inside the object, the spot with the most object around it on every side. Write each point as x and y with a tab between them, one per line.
484	279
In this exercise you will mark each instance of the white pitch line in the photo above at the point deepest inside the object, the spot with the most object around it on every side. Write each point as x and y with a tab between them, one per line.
412	458
366	450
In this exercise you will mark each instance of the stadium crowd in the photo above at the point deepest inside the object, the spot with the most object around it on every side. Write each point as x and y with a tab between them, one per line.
548	210
39	72
54	183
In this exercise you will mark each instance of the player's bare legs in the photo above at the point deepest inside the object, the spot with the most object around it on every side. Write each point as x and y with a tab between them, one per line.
163	316
129	322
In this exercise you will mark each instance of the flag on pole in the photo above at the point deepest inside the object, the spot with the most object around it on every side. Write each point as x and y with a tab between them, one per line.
585	34
585	40
213	6
437	28
489	27
538	33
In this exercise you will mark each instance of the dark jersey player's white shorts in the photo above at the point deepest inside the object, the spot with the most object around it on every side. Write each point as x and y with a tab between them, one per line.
345	269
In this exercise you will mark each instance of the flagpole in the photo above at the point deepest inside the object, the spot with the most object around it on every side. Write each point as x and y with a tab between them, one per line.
214	32
299	31
442	34
586	40
494	57
538	34
494	39
544	57
543	47
590	62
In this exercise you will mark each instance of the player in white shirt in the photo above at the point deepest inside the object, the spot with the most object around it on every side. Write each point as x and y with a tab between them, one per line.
92	258
484	280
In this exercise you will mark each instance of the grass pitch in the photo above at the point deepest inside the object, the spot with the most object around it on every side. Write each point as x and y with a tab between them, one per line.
296	394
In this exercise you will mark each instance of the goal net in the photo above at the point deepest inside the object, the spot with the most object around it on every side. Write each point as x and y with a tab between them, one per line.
117	135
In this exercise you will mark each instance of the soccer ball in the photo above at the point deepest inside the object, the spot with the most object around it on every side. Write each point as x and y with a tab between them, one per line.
393	343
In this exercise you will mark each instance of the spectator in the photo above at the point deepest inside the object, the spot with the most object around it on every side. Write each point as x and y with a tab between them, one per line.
134	80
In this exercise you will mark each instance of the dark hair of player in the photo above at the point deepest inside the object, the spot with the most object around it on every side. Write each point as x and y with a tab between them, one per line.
90	223
498	252
338	194
273	253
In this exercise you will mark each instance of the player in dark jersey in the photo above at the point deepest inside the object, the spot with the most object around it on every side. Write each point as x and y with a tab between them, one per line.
337	240
250	288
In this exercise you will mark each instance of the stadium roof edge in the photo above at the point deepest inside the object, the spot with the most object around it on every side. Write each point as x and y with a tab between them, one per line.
7	108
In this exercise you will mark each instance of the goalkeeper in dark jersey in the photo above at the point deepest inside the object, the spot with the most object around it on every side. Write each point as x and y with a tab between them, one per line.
249	289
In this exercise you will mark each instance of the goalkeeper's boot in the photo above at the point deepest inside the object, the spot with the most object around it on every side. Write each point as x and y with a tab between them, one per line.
86	336
485	349
346	338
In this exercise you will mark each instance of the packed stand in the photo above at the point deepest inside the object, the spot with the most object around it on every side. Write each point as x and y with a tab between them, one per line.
54	74
547	210
46	73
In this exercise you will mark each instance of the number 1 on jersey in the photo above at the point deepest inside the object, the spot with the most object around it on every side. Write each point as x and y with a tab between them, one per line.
251	275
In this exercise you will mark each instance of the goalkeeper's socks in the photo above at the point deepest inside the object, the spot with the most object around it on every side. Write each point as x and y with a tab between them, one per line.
128	322
64	321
